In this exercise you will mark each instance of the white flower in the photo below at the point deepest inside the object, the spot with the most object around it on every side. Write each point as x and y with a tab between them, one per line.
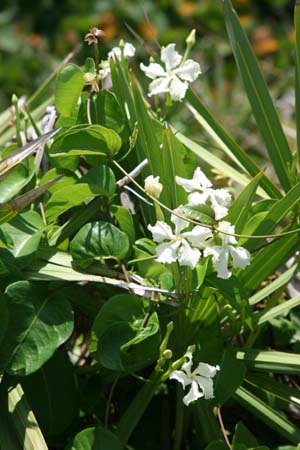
200	379
127	50
221	253
179	245
104	69
153	186
172	78
201	191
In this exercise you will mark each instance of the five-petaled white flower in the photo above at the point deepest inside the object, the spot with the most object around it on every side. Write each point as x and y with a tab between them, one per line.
220	253
179	245
172	78
201	191
200	379
126	49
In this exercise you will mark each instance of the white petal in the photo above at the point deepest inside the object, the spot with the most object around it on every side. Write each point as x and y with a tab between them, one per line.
220	260
180	224
170	57
115	53
240	257
159	86
199	182
167	253
206	385
206	370
180	376
198	236
177	89
189	71
154	70
197	198
227	227
161	231
187	366
193	394
129	50
188	256
220	200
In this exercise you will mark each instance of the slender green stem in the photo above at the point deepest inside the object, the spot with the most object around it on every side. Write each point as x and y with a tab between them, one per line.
108	403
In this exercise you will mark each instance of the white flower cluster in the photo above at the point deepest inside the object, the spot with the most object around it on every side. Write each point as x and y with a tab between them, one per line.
200	379
189	246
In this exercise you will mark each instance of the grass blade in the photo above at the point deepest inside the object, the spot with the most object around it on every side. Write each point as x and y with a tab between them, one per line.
272	361
262	106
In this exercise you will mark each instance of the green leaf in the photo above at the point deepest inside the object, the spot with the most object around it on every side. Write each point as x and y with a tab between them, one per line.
125	340
106	111
274	216
240	208
268	415
264	112
268	260
19	429
86	140
25	230
69	84
97	181
243	436
230	377
217	445
217	163
125	221
55	383
39	322
279	310
96	438
272	361
227	144
98	240
16	180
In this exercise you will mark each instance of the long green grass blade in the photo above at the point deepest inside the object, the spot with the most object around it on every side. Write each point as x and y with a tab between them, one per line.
297	73
227	144
268	260
275	285
20	420
276	388
215	162
268	415
279	310
272	361
262	106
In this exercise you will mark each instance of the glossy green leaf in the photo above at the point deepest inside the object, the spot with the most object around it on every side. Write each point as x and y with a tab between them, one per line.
69	84
97	241
25	231
243	436
39	322
96	438
55	383
106	110
125	221
217	445
258	95
268	415
280	310
16	180
98	181
87	140
125	340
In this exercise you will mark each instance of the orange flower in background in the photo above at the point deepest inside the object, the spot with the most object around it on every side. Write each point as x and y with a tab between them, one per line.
148	30
186	8
108	23
246	20
35	40
263	40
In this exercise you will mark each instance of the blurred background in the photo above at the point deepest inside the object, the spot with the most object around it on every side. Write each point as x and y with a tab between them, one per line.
35	36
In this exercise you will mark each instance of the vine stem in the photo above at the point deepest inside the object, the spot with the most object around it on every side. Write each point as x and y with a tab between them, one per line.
195	222
223	428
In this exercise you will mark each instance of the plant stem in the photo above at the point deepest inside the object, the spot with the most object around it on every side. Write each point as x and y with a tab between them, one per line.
223	428
179	418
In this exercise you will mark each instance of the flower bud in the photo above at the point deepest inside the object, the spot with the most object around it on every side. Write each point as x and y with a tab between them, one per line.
153	187
191	39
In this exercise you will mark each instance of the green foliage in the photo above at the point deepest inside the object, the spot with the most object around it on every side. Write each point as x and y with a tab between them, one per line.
102	314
